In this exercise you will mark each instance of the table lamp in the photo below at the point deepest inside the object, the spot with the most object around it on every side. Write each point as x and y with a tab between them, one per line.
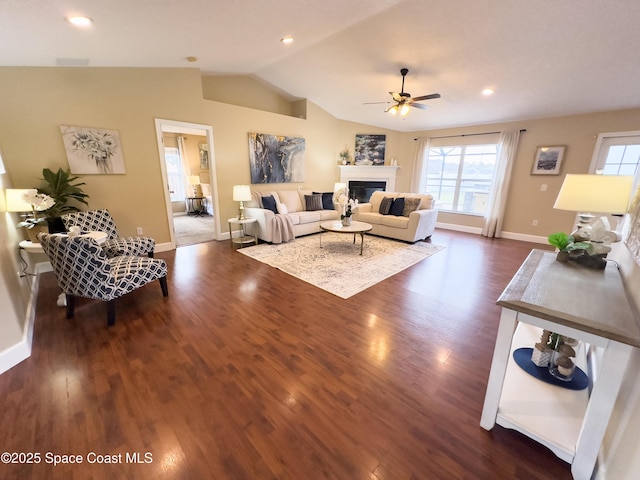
194	181
241	193
593	193
15	202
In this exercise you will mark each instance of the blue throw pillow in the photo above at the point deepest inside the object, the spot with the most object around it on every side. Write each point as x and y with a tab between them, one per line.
397	207
269	203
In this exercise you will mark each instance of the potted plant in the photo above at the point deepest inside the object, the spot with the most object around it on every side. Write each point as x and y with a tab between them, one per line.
346	216
565	245
345	156
63	188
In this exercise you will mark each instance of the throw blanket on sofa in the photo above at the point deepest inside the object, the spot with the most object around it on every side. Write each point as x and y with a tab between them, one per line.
282	228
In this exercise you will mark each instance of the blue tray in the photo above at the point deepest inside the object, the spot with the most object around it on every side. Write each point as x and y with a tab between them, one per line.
522	356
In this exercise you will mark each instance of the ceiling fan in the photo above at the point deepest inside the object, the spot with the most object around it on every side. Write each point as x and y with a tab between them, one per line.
403	100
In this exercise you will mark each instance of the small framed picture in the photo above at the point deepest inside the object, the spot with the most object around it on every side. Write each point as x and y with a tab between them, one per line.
548	161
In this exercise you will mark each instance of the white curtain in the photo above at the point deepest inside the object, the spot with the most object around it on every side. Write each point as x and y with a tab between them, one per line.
501	176
419	177
182	150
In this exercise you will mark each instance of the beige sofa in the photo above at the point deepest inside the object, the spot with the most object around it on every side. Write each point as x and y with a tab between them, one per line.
294	216
416	225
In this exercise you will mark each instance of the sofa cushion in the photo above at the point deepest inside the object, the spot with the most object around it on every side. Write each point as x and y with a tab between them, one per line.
269	202
309	217
385	205
327	200
282	208
313	202
411	204
394	221
291	198
374	218
397	207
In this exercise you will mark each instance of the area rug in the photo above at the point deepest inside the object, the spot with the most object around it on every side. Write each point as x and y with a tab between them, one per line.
338	267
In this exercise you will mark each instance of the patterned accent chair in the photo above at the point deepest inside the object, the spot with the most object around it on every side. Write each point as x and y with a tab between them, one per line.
102	221
83	269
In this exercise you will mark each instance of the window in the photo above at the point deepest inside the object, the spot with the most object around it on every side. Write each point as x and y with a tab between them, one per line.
175	177
461	176
617	154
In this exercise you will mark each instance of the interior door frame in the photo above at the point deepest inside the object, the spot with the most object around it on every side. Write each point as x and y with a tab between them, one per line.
164	125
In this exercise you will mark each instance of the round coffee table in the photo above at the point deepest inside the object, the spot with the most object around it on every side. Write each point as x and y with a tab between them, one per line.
337	227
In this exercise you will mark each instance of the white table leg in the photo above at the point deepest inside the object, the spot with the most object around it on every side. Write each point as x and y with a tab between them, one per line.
499	363
605	391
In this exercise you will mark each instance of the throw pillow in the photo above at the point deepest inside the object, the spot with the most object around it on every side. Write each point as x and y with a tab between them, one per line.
327	200
397	207
269	203
411	204
385	205
282	209
313	202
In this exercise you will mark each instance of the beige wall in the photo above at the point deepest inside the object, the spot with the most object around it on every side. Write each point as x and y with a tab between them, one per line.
246	91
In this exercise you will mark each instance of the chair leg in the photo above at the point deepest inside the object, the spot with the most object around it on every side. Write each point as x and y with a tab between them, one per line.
111	312
163	285
70	305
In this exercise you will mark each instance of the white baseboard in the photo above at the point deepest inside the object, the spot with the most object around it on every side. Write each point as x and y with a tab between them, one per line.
508	235
459	228
525	238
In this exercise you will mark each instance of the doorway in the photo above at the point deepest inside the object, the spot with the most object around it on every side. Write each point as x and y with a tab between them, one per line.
197	181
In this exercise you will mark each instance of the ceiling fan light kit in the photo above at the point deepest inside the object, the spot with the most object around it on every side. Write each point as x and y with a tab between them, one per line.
404	101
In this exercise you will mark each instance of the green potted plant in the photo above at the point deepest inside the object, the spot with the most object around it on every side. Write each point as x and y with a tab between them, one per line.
566	244
63	188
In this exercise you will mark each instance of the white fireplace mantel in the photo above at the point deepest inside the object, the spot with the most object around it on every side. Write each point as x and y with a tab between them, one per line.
366	172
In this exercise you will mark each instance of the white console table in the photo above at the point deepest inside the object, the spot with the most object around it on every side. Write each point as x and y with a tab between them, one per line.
586	304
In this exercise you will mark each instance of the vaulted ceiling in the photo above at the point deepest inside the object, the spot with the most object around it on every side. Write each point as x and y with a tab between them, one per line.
542	57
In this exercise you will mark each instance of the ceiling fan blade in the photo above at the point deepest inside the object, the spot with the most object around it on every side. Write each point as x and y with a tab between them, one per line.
426	97
374	103
420	106
396	96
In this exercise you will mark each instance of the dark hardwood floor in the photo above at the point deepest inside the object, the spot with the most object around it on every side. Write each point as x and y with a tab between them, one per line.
244	372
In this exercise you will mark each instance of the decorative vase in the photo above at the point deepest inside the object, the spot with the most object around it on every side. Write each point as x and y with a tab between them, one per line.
346	221
562	363
562	256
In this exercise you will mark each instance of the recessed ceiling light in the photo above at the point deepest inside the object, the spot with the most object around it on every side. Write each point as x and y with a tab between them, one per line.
79	21
288	40
487	91
191	59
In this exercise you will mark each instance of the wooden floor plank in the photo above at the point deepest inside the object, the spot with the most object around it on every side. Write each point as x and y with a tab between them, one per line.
245	372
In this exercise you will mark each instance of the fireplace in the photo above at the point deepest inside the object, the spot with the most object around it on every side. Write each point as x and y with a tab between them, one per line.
365	179
362	190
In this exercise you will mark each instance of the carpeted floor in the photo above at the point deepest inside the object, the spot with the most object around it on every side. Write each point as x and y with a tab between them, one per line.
338	267
190	229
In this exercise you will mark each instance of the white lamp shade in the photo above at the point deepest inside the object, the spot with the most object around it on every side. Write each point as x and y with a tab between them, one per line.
594	193
241	193
15	202
193	180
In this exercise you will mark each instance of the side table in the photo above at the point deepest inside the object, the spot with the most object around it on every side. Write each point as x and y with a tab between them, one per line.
196	206
244	238
581	303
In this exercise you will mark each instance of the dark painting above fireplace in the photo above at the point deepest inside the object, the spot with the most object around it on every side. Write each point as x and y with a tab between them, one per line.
361	190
